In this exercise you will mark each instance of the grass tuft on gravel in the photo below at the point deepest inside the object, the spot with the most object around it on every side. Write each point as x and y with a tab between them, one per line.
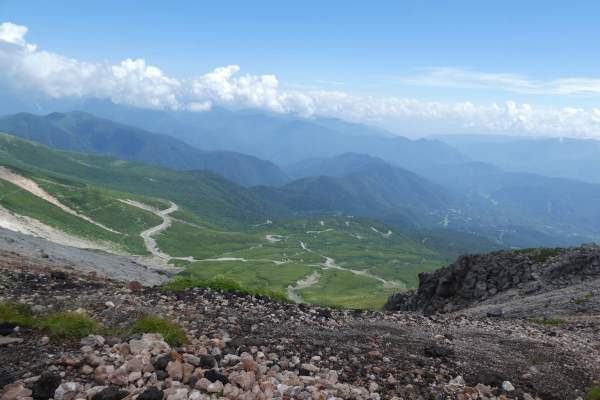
550	321
593	394
221	283
69	325
17	313
171	331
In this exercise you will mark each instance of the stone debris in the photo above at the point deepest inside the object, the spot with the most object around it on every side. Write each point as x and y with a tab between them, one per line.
243	347
506	274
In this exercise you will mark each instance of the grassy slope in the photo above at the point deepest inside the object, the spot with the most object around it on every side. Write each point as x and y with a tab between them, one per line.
210	202
204	193
97	203
351	242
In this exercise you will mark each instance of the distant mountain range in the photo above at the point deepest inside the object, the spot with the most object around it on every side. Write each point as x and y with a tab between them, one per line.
555	157
282	139
83	132
423	184
366	189
565	200
365	185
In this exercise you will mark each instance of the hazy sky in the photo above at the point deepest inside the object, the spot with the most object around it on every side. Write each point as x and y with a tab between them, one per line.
415	67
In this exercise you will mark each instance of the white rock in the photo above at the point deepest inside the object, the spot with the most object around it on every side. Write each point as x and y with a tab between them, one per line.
506	385
137	346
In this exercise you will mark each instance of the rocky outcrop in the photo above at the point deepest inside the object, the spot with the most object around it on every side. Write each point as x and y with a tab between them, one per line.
476	278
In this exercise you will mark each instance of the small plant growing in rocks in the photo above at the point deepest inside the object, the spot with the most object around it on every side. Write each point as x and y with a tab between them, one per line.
171	331
537	360
594	393
549	321
69	325
221	283
583	300
19	313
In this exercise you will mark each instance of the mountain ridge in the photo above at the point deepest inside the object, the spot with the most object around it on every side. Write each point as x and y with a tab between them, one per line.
83	132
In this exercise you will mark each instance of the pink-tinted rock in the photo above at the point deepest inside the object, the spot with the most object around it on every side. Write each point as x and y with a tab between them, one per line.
134	285
102	372
67	361
94	360
13	393
373	387
175	370
67	391
251	366
136	365
202	384
188	369
118	377
215	387
86	370
332	377
245	380
231	391
134	376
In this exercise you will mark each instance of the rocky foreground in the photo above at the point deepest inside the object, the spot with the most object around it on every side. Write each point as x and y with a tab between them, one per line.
244	347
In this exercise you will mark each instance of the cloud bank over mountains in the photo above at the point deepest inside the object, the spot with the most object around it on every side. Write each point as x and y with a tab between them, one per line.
25	69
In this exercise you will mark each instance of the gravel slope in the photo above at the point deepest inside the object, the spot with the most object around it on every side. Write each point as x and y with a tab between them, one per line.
31	253
307	350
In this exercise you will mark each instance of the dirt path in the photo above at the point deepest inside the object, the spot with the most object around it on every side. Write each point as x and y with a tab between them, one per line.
302	284
146	235
164	214
329	263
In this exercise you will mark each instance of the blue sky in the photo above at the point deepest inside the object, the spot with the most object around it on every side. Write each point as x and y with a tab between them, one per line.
481	53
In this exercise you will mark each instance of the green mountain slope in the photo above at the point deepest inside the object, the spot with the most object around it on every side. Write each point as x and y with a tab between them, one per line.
83	132
111	224
204	193
358	184
222	228
336	167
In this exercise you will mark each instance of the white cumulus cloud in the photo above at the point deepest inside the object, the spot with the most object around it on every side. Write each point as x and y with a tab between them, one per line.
24	68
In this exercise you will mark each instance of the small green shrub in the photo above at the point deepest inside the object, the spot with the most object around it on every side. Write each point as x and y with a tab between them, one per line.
593	394
273	294
179	284
171	331
583	299
545	255
524	251
549	321
221	283
19	313
537	360
69	325
580	310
